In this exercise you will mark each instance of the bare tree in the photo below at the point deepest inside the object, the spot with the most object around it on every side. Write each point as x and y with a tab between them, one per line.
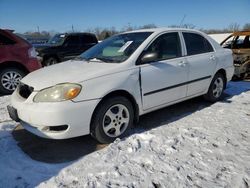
148	26
234	27
246	27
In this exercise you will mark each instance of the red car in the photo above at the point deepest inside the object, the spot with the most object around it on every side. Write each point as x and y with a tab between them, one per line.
17	58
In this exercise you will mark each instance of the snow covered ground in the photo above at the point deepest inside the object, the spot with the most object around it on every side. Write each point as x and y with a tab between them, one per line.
206	147
220	37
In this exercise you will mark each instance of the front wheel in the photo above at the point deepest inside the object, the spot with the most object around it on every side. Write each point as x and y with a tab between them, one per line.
216	88
112	119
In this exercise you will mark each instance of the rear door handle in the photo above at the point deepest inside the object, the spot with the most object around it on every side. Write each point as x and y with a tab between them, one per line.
212	57
182	64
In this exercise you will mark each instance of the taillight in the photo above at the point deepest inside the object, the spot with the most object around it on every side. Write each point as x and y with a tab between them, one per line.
32	52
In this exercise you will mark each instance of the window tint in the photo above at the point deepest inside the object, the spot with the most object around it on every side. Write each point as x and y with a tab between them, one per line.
196	44
88	39
167	46
73	41
5	41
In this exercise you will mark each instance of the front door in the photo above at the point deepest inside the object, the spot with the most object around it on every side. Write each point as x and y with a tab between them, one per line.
163	81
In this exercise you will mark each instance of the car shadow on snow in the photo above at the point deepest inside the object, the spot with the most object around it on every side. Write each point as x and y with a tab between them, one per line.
60	151
54	151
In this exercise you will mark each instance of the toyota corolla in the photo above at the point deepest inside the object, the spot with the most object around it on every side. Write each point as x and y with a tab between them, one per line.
105	90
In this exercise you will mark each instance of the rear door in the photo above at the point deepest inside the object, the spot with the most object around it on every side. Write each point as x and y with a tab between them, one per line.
163	81
201	60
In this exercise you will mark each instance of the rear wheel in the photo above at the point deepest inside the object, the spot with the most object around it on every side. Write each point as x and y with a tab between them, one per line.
216	88
9	79
112	119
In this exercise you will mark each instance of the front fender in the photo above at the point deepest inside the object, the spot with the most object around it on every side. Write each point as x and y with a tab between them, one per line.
99	87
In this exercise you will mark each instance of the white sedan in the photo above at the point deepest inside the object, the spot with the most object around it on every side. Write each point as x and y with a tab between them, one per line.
105	90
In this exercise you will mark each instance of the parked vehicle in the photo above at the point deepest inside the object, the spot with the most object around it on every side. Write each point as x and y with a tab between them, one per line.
110	85
17	58
65	46
239	42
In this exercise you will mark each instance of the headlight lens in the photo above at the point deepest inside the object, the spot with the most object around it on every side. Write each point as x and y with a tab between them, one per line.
61	92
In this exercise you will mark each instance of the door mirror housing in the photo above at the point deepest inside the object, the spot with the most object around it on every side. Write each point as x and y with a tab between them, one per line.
149	57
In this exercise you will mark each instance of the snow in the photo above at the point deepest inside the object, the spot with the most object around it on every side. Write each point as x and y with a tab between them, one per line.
220	37
208	146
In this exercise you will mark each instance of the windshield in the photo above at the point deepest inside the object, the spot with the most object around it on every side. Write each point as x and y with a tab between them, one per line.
116	49
57	39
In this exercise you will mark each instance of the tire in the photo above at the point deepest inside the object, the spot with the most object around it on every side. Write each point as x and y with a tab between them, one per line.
112	118
9	80
216	88
50	61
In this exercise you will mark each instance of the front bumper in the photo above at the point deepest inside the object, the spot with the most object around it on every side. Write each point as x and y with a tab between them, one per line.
37	117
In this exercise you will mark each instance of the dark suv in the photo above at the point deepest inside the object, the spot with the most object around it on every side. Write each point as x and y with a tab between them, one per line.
17	58
65	46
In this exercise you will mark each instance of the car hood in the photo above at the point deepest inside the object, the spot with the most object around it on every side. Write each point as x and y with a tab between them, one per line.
70	71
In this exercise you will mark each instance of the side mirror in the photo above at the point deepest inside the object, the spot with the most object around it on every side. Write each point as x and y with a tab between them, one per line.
149	57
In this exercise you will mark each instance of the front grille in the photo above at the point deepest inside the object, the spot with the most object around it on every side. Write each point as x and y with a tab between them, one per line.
25	90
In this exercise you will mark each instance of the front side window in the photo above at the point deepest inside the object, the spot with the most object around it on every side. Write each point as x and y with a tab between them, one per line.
167	46
196	44
57	39
116	49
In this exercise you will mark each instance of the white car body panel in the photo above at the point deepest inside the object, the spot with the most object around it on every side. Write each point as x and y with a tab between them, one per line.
152	86
160	75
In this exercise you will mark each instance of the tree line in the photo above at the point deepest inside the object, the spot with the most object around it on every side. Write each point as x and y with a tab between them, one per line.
103	33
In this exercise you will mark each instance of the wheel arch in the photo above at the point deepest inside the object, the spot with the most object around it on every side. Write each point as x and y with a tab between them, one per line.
47	56
121	93
223	72
14	64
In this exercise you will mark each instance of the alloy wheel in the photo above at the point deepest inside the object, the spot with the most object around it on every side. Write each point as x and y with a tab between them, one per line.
10	80
116	120
218	87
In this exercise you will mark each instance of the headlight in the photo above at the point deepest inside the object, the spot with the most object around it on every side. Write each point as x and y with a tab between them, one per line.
61	92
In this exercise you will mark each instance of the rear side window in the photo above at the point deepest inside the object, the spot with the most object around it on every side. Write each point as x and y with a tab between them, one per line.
5	40
73	41
88	39
196	44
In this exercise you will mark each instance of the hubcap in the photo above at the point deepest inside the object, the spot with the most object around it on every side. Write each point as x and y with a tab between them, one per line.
10	80
115	120
218	87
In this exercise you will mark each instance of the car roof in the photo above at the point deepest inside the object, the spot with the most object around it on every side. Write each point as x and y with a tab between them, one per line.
85	33
162	29
237	33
